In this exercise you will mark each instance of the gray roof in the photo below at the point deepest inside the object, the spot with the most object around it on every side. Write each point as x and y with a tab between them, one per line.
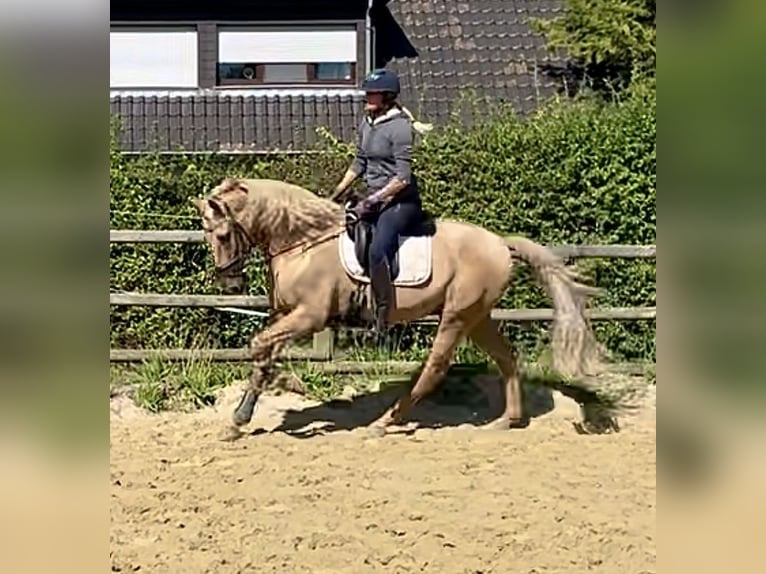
484	46
232	121
443	50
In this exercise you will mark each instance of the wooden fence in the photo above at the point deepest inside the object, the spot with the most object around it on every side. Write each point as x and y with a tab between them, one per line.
323	344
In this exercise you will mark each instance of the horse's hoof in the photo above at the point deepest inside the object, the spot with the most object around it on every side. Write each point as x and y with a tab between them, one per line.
231	434
606	426
518	423
596	420
243	414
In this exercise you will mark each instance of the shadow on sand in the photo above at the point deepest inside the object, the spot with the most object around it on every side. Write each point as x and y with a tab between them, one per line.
457	402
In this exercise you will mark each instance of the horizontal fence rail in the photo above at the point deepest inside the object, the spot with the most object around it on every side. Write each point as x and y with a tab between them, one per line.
261	302
323	343
191	236
178	300
219	355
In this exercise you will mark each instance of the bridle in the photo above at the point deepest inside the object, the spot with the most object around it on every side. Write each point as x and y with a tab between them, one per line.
243	246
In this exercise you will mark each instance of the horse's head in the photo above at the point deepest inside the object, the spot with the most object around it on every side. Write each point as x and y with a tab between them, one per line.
229	241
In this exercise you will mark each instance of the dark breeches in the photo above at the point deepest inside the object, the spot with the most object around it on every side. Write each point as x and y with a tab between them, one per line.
395	221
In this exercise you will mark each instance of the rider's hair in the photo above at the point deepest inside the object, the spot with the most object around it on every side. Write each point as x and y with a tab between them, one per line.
420	127
391	100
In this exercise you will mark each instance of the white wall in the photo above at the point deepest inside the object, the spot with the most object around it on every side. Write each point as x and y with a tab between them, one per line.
159	59
296	46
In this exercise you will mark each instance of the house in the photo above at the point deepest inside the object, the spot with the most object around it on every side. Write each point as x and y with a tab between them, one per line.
258	75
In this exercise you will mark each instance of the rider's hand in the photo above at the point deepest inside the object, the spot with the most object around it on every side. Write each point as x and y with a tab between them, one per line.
367	206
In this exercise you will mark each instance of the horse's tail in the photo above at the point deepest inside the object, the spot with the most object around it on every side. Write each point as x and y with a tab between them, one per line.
575	349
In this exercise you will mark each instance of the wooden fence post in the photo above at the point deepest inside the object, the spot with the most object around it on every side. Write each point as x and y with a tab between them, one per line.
324	343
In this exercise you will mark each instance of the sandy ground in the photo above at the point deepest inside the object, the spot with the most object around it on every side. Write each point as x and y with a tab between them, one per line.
318	494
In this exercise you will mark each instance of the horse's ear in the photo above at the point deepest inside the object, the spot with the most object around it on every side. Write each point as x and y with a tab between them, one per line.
199	204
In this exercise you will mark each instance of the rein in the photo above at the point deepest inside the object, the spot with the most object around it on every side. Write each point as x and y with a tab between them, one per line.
306	244
237	262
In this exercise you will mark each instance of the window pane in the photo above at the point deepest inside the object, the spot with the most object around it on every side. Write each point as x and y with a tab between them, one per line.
229	71
334	71
285	73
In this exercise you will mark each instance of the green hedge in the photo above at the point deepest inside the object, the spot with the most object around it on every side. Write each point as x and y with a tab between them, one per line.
575	172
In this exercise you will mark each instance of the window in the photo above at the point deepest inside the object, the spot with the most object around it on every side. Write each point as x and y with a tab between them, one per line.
287	57
329	71
160	58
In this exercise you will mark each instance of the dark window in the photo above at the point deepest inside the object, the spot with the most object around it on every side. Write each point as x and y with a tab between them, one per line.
237	71
329	71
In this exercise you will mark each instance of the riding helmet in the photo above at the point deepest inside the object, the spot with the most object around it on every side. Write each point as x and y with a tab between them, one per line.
381	81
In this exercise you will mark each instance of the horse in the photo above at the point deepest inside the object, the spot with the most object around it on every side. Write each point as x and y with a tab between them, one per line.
311	284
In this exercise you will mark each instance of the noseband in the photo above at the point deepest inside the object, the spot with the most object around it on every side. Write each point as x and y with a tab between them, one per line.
243	246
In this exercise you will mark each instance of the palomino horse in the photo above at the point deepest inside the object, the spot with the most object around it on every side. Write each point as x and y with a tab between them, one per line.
299	234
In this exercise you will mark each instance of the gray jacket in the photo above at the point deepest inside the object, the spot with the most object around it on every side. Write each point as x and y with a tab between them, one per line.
384	151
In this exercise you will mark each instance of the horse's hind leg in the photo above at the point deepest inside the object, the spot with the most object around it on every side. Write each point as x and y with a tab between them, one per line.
448	335
488	337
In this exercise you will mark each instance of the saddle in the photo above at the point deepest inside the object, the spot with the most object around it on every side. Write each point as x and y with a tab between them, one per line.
360	232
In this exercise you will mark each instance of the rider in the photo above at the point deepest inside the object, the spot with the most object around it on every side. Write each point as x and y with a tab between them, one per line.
392	204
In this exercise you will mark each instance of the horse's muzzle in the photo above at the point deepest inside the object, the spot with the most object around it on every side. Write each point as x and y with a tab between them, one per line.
233	285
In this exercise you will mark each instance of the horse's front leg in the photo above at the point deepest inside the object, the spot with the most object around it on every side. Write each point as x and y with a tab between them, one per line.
265	346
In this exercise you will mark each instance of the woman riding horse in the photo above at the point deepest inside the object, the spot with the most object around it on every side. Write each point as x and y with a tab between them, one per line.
392	203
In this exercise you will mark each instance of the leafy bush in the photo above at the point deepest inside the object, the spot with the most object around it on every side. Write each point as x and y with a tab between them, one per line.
575	172
578	172
612	43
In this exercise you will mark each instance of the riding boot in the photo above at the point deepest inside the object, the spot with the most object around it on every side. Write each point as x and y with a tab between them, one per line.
383	296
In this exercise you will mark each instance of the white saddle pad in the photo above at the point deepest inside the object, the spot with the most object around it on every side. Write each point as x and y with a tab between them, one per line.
413	258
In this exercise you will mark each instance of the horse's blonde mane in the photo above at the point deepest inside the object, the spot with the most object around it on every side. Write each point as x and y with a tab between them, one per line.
281	212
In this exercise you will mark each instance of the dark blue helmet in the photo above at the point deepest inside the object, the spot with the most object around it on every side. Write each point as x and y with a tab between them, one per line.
381	81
